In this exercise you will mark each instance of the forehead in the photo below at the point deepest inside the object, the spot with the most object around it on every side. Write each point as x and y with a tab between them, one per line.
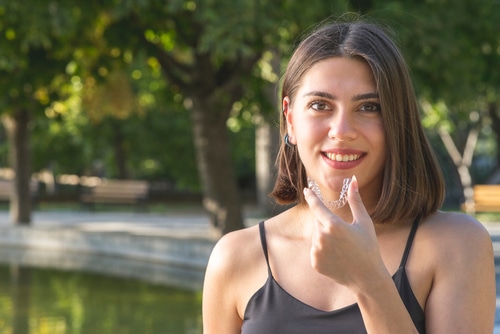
339	75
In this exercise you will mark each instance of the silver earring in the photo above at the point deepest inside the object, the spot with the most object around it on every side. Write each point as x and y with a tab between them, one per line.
287	141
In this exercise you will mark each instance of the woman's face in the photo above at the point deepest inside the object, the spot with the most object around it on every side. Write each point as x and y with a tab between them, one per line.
336	123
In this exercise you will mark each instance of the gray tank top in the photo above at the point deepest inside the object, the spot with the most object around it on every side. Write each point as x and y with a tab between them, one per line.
272	310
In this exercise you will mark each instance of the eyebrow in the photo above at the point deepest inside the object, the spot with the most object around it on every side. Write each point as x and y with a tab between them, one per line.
365	96
358	97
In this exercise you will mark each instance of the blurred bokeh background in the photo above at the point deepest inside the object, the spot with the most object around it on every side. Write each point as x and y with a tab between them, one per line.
181	97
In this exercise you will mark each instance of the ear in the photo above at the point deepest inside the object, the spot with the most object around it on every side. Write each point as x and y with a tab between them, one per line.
287	113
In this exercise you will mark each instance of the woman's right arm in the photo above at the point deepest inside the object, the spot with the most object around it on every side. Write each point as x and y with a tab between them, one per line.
220	314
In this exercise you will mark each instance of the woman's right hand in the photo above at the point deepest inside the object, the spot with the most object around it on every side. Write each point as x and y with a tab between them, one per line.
346	252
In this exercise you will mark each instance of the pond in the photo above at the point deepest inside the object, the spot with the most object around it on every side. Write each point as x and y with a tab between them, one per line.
50	301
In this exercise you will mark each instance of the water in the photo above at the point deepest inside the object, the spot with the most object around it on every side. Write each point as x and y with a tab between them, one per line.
39	301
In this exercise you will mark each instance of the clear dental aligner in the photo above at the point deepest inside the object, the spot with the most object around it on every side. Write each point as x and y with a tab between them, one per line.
331	204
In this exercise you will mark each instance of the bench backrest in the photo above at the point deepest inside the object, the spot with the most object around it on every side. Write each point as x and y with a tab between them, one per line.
131	187
7	186
487	192
487	197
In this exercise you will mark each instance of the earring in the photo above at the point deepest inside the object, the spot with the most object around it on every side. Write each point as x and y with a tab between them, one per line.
287	141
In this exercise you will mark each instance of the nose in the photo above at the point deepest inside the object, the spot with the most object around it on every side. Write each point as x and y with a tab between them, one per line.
342	126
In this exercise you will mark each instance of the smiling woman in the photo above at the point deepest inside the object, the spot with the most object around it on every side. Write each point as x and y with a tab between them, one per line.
335	115
382	263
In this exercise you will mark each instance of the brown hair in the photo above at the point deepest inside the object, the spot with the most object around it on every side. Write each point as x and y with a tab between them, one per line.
413	183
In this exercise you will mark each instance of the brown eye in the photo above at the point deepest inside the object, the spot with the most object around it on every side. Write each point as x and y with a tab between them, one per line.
370	107
318	105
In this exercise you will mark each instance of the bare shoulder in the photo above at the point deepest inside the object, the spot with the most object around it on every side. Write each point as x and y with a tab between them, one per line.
454	226
242	250
458	288
454	235
232	273
236	250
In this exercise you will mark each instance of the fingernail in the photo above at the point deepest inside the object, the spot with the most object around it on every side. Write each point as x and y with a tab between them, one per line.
354	184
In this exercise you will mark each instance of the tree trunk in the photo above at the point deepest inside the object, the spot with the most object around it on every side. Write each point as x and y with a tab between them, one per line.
463	163
119	150
495	120
220	191
266	144
211	88
267	140
20	159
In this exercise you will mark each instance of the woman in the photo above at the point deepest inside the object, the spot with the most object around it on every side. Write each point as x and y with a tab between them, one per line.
388	261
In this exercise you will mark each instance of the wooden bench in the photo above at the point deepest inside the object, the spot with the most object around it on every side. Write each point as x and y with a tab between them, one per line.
6	188
117	192
487	198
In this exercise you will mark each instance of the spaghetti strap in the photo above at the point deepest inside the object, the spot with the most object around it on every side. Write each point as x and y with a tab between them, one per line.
410	242
263	241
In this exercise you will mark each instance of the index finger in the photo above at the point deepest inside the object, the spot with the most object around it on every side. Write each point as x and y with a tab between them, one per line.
317	206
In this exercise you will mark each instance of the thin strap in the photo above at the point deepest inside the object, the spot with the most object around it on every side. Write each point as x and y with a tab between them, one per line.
410	242
263	241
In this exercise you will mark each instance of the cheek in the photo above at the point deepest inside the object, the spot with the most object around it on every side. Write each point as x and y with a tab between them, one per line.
309	135
306	127
309	139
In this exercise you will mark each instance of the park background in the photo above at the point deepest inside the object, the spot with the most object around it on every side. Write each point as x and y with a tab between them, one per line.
184	95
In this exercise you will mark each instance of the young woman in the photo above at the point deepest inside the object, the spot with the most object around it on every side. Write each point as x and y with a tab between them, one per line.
388	261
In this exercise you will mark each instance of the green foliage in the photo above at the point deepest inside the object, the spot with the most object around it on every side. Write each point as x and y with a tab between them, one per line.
88	68
35	47
452	47
156	138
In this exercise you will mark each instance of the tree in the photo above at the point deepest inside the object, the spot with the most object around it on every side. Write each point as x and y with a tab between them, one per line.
33	56
213	55
209	52
46	42
457	54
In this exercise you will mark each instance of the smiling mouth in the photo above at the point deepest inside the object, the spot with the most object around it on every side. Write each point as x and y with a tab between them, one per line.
342	157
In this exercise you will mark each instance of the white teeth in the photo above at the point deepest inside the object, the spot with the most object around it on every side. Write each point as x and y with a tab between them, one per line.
343	157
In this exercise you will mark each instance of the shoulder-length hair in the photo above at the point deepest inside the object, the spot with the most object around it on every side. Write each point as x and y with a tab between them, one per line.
413	183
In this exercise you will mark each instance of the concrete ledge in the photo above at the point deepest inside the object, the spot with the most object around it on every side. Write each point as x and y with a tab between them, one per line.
151	272
160	259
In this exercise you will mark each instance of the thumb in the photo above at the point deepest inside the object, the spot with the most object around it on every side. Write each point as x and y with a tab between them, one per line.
358	209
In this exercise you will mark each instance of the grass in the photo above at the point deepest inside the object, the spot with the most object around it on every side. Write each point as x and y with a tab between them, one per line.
488	217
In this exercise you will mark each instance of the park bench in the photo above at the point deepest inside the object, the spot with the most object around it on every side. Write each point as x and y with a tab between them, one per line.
117	192
487	198
6	187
